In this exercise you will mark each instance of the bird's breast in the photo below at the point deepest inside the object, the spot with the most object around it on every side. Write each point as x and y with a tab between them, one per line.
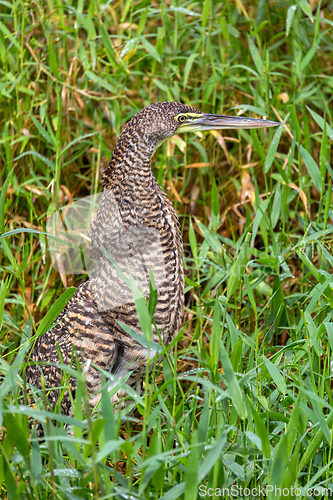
139	246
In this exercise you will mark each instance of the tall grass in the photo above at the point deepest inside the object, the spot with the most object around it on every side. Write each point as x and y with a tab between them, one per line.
244	398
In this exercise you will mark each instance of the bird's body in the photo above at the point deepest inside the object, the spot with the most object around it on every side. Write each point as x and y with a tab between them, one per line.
136	232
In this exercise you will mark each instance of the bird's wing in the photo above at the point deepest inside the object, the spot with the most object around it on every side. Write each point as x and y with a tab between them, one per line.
81	329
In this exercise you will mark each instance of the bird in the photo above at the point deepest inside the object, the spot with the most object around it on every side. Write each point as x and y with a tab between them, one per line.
136	247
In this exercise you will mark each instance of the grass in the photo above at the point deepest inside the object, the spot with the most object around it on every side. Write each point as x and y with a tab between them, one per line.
244	399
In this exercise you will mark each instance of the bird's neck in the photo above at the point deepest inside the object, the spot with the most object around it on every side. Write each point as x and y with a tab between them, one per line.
130	164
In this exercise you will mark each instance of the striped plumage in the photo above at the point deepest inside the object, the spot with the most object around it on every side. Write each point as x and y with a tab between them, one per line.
135	221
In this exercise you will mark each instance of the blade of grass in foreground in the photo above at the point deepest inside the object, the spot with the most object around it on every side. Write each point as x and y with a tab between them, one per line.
3	200
273	147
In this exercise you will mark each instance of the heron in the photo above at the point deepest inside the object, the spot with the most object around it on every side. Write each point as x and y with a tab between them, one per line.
135	239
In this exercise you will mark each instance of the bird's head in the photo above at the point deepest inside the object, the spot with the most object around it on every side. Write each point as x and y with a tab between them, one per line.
159	121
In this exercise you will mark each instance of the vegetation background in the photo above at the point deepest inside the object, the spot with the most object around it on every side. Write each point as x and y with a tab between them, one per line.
245	396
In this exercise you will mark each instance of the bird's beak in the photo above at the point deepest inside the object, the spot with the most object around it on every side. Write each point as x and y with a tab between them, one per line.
215	122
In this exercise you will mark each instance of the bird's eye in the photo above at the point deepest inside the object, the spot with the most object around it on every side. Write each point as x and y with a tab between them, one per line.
181	118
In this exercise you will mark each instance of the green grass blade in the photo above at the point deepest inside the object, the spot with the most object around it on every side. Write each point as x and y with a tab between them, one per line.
3	200
276	375
312	168
238	268
232	382
262	432
273	147
54	311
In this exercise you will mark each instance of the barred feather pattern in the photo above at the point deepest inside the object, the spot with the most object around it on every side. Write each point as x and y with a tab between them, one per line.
135	223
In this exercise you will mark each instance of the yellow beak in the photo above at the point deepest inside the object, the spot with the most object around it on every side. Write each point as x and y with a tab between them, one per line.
214	122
